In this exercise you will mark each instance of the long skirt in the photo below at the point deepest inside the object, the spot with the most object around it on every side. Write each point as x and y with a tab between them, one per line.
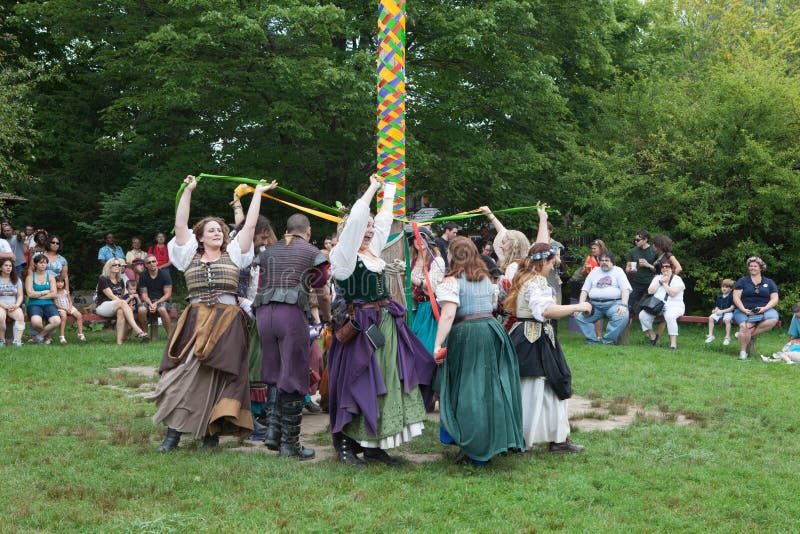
544	415
208	396
479	401
424	325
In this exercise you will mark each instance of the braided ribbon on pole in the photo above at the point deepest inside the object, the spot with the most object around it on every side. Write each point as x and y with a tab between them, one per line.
391	129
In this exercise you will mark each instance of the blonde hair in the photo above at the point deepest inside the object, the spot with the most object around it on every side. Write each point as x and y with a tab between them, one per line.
528	268
516	248
727	283
107	267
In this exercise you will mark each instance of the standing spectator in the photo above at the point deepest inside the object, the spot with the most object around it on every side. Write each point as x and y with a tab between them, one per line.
755	297
41	289
607	289
449	232
39	246
109	250
155	288
640	267
11	302
136	250
57	265
65	307
5	250
110	304
29	234
17	243
663	246
159	250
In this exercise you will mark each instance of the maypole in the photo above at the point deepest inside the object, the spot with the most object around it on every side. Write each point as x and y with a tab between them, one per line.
391	130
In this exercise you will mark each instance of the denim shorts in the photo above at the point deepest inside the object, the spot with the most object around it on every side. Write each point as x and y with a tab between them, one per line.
45	311
740	317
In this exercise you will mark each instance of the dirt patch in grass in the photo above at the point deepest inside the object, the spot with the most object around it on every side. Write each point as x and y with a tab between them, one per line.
586	414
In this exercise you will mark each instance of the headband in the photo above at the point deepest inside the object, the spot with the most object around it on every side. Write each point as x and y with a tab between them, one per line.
543	255
758	260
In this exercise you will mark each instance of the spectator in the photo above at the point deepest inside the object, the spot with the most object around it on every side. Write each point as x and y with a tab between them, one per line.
41	289
607	290
669	288
159	250
65	307
640	267
663	246
723	311
135	251
57	265
17	244
755	297
155	288
109	250
559	270
11	302
110	304
449	232
39	246
790	353
134	270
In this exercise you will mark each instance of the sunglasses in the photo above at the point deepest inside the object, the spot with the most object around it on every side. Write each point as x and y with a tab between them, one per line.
151	261
116	265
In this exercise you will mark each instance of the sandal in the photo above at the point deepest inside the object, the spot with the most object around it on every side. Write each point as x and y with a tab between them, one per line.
143	337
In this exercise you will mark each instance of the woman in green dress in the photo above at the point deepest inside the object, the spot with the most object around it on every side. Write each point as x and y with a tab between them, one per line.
479	401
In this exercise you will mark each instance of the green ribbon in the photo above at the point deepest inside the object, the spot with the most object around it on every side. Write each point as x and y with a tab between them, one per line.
254	182
480	214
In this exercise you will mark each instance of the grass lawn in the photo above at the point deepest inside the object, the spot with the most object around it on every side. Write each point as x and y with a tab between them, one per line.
78	455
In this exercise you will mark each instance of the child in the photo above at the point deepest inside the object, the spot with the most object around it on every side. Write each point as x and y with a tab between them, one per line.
790	353
132	296
64	305
723	310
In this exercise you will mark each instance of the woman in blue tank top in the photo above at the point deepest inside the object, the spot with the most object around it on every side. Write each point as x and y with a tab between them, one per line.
41	289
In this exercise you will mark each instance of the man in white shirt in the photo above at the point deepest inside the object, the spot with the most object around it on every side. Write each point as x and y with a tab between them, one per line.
607	289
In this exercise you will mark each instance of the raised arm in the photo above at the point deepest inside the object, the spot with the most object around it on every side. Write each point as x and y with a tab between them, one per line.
543	235
182	213
498	226
343	255
245	235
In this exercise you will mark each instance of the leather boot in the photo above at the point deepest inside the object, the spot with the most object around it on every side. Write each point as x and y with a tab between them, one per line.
346	450
171	441
291	405
379	455
272	437
210	442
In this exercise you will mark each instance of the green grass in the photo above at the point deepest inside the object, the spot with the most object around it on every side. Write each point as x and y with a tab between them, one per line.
78	455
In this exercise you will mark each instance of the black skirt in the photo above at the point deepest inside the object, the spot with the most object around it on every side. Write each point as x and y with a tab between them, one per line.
543	358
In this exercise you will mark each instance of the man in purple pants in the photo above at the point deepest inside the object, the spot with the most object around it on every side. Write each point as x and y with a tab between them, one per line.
287	270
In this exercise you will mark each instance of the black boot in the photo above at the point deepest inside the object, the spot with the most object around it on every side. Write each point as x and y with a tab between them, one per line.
291	415
379	455
210	442
346	450
171	441
272	437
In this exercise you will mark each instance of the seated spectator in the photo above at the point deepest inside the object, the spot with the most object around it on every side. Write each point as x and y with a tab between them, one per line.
755	297
131	296
159	250
134	270
41	289
11	302
790	353
65	307
109	250
723	311
669	288
155	288
607	289
110	304
135	251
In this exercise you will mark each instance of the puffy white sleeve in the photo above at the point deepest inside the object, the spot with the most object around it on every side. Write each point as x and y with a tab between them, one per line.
436	272
241	259
511	271
539	295
181	255
448	291
383	220
343	256
496	245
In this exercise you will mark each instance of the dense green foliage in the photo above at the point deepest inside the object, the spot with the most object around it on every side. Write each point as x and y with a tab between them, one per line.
676	116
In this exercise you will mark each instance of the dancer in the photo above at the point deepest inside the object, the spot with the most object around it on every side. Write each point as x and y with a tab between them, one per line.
375	376
203	388
545	375
479	397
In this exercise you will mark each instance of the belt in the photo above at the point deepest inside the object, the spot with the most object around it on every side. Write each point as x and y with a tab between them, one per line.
605	300
472	316
374	305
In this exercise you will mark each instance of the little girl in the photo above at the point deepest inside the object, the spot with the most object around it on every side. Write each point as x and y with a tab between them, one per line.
65	307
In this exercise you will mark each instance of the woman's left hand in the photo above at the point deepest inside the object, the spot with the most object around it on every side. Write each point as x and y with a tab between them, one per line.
263	186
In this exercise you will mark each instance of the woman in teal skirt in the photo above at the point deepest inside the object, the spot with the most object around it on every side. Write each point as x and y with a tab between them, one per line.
425	256
479	401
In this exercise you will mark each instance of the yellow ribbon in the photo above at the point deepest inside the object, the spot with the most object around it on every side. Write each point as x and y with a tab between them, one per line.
244	189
